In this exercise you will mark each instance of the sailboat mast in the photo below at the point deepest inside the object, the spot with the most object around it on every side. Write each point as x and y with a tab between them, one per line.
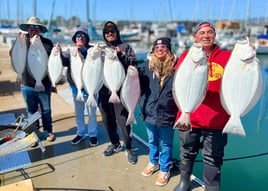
34	8
87	7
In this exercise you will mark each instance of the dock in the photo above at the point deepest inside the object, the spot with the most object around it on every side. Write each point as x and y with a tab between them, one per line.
64	166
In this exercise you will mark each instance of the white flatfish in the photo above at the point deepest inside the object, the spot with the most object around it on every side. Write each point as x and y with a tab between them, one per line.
241	85
76	70
114	74
37	62
18	55
130	93
54	66
190	84
92	74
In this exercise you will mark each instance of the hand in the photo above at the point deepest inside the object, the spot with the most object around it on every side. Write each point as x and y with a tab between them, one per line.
132	70
58	46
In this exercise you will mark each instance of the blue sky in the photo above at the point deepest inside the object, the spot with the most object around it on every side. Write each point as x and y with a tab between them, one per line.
151	10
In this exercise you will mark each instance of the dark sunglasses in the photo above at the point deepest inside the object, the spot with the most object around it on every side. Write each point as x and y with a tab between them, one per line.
34	26
107	32
80	35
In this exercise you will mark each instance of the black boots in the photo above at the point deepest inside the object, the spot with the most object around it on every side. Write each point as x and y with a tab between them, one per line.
185	184
212	177
186	169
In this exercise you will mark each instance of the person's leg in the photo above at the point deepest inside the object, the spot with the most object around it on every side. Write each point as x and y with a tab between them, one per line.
213	151
189	148
92	122
166	141
79	108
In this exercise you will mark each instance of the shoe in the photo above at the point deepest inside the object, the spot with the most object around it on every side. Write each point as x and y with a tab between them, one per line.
35	144
162	178
111	149
132	158
150	169
78	139
51	137
93	141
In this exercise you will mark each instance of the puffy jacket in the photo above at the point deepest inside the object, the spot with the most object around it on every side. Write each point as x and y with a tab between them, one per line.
156	104
210	114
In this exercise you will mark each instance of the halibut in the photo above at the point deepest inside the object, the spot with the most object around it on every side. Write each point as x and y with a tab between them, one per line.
18	55
55	66
130	93
190	85
37	62
241	85
114	74
92	74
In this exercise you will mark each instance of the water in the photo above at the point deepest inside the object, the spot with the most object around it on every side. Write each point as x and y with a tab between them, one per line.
245	164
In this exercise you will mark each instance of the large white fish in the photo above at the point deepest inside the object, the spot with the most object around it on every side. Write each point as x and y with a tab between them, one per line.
92	74
130	93
114	74
241	85
37	62
77	61
18	55
190	84
55	66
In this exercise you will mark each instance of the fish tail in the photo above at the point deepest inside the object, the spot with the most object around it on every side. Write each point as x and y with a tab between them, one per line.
131	119
234	126
91	102
79	96
39	87
114	97
184	122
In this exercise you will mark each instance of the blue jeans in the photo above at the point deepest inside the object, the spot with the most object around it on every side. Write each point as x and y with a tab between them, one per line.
80	107
160	136
35	99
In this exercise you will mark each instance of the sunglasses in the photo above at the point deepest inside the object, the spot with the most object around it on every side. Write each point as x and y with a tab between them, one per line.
34	26
107	32
80	35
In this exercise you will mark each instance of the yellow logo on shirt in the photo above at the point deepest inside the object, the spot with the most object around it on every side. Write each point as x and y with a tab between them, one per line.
215	72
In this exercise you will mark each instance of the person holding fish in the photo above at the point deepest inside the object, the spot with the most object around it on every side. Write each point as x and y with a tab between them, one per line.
157	107
208	120
73	58
35	83
114	115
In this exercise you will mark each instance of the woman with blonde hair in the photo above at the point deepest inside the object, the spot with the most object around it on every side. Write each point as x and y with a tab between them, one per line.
157	107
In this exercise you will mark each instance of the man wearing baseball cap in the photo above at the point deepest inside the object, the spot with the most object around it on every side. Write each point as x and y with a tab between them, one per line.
208	120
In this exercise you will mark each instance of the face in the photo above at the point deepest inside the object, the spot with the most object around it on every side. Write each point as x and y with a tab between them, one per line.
80	39
110	36
161	51
34	30
205	36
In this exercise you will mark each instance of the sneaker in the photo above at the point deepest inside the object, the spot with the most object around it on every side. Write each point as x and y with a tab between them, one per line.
111	149
150	169
132	158
162	178
78	139
51	137
93	141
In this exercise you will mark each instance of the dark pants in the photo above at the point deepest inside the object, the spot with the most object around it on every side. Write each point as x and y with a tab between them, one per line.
113	116
211	143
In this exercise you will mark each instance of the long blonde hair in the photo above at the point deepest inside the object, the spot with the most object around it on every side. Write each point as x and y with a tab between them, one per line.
165	68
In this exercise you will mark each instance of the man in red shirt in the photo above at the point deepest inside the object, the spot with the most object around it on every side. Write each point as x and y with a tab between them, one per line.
208	120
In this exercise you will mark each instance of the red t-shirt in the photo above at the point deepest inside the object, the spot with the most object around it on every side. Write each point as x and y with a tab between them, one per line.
210	114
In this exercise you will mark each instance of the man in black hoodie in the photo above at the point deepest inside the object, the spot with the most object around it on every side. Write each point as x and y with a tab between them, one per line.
115	115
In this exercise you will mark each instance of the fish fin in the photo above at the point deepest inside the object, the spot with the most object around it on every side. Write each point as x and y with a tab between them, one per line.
184	122
114	97
79	96
234	126
91	102
39	87
131	119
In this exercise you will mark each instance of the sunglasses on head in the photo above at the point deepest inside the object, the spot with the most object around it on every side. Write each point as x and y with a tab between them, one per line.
107	32
80	35
34	26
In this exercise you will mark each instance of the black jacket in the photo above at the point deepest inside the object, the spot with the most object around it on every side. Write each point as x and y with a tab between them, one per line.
156	104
